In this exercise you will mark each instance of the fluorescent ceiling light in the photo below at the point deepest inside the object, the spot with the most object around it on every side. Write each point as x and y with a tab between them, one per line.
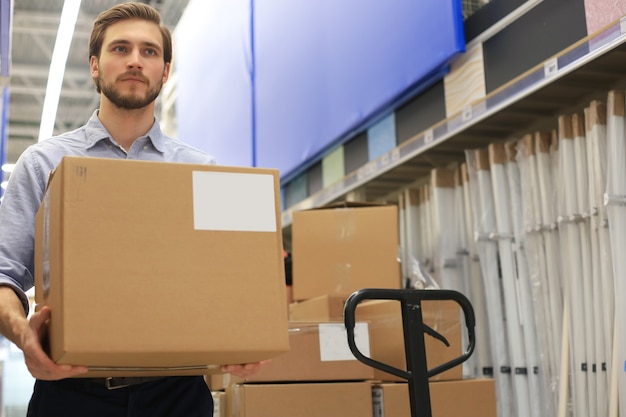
8	168
57	67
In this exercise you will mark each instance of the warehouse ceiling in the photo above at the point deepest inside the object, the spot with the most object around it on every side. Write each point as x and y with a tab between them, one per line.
35	24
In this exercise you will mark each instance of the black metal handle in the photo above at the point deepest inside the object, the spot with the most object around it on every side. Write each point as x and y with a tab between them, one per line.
408	297
417	373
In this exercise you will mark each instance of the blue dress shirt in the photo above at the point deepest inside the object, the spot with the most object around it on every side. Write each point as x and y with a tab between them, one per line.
27	185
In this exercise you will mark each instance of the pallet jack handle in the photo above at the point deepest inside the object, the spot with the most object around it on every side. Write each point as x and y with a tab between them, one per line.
417	373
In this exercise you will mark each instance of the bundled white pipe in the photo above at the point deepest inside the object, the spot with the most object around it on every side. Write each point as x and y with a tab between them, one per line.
534	232
444	229
445	238
427	232
484	225
546	156
536	371
615	201
603	330
565	402
484	360
460	236
410	235
573	266
503	233
402	234
593	324
463	262
597	136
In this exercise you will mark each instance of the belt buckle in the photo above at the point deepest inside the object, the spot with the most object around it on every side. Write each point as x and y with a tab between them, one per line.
110	384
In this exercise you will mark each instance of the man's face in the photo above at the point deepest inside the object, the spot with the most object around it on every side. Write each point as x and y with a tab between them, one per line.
130	71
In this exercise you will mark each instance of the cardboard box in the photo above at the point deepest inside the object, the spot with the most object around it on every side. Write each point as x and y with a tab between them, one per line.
319	352
387	337
467	398
161	268
341	249
323	308
345	399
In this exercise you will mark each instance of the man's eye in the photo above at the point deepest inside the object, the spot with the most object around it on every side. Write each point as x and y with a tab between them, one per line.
119	49
151	51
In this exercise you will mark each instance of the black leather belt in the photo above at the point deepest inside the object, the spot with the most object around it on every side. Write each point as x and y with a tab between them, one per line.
123	382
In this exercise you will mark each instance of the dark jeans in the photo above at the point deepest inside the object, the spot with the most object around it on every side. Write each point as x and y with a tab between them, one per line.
167	397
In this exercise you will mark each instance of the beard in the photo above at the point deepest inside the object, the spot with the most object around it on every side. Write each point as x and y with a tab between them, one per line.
129	101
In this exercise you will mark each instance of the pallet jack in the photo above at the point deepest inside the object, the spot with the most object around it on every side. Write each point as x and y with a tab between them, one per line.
417	373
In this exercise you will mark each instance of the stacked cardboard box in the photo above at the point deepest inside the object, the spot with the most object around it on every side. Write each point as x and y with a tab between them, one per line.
319	352
386	333
342	248
346	399
467	398
154	268
336	251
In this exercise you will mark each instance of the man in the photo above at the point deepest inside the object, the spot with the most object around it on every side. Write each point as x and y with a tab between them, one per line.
130	57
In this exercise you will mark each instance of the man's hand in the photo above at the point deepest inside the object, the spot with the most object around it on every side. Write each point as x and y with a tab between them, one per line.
245	370
39	364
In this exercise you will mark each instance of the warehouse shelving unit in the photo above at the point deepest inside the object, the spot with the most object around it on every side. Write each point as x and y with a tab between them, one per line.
564	82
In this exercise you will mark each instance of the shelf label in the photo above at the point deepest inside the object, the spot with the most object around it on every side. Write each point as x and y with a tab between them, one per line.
429	136
366	171
384	160
622	25
395	155
550	68
467	113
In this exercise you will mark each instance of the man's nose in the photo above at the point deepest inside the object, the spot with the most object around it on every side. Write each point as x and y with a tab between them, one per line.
135	60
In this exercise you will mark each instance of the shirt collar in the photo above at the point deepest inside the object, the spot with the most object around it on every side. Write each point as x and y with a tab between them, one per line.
95	132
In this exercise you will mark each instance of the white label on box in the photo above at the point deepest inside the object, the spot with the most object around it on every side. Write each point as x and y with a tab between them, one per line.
232	201
334	341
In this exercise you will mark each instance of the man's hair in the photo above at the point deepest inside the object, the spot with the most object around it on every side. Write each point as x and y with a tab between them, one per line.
125	11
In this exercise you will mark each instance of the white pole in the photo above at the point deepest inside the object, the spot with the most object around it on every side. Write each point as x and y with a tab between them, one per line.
478	168
444	229
538	234
504	234
592	326
602	338
613	391
598	137
615	201
411	230
546	156
477	288
427	226
536	372
565	366
572	265
402	233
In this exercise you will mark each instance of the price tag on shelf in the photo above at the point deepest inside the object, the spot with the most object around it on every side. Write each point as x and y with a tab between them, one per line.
550	68
429	136
395	155
467	113
622	25
384	160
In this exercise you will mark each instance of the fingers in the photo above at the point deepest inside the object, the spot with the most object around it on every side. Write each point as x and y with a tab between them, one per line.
37	361
244	370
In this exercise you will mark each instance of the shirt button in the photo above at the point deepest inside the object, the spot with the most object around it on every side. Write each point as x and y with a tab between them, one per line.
145	147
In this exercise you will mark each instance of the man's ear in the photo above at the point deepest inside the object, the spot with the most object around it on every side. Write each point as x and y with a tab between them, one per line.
166	72
93	67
